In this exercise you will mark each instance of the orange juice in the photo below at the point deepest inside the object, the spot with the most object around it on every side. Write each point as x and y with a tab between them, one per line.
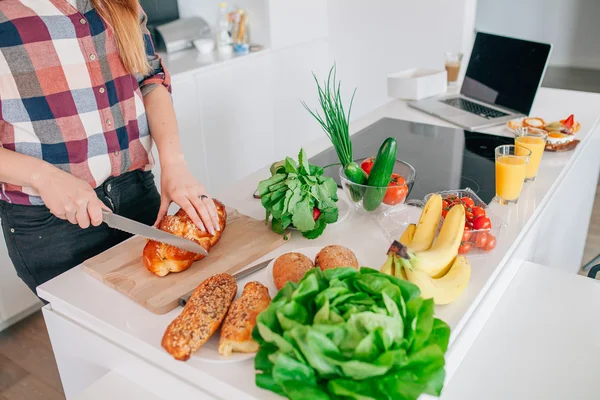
536	144
510	174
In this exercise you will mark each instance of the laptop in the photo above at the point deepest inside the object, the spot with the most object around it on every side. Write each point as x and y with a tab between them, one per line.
500	84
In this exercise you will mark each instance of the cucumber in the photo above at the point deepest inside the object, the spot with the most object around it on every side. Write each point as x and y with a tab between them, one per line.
380	175
356	174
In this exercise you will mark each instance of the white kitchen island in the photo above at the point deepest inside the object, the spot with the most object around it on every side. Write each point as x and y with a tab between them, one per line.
98	333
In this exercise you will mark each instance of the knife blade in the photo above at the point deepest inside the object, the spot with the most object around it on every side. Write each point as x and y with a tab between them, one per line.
238	275
136	228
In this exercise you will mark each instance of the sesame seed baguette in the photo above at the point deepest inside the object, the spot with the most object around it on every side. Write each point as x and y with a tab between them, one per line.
236	332
201	316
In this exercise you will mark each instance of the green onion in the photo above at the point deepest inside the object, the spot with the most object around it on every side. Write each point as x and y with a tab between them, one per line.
334	120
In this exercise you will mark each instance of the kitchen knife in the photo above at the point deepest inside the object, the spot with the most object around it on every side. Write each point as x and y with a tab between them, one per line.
238	275
136	228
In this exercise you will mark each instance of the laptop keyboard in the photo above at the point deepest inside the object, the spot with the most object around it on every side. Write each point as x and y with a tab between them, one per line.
474	108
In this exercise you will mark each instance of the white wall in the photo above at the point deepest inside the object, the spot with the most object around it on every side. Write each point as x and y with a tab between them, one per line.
370	39
570	25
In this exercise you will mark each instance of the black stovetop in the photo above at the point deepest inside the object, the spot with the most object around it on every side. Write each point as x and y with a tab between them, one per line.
444	158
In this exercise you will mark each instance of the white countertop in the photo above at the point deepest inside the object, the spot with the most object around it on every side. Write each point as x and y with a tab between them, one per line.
115	317
191	61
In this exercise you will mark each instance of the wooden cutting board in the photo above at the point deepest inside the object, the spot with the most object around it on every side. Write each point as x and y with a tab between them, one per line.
244	240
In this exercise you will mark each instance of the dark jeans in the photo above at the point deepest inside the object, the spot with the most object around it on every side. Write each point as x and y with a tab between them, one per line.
42	246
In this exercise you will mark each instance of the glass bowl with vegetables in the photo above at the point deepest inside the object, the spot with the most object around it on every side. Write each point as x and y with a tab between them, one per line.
384	197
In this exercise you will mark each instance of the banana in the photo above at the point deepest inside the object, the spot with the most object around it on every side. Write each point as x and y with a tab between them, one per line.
408	235
428	224
447	288
436	261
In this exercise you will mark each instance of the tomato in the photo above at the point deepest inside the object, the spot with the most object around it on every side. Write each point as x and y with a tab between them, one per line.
482	223
316	213
481	239
478	212
396	192
444	213
491	243
466	233
445	204
468	202
464	248
452	199
367	164
469	216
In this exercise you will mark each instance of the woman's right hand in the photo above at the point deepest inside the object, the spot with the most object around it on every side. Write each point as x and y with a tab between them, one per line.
69	197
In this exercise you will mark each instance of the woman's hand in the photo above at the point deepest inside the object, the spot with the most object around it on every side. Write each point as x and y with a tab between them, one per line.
69	197
179	185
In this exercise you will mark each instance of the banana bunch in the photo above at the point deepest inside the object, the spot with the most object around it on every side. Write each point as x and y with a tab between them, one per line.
432	264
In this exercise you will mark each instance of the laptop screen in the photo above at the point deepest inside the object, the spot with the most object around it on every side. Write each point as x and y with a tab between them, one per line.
505	71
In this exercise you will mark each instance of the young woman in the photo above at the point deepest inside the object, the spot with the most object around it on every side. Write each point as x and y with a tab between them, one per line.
82	97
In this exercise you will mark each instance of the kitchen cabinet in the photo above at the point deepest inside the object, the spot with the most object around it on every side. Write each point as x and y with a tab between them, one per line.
537	344
236	108
16	300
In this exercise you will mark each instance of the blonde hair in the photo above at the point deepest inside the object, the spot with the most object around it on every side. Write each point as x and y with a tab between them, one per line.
123	18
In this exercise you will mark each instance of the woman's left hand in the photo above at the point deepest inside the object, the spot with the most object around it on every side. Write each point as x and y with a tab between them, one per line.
179	185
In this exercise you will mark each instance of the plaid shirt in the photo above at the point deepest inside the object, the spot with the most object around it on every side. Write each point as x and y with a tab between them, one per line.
65	96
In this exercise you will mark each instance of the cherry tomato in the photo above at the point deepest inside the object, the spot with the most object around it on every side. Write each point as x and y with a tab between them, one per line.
452	199
316	213
482	223
481	239
464	248
445	204
468	202
469	216
478	212
466	233
396	192
367	164
491	243
444	213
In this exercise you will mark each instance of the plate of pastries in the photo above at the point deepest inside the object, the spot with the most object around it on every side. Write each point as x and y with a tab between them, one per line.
561	133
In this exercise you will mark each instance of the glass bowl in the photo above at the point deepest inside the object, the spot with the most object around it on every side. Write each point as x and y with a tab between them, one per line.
383	198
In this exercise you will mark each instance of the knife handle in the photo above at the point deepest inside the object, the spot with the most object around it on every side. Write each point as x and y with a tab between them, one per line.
105	215
237	275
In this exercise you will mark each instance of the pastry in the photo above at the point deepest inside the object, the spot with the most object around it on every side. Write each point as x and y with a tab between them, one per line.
335	256
160	258
236	331
201	316
290	267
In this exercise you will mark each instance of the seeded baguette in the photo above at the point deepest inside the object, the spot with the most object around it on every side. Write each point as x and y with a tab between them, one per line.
236	332
201	316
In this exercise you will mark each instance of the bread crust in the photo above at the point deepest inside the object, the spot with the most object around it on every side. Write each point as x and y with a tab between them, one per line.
335	256
290	267
201	316
236	331
562	146
160	258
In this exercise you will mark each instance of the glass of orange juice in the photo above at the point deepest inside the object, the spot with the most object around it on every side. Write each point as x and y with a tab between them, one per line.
511	169
535	140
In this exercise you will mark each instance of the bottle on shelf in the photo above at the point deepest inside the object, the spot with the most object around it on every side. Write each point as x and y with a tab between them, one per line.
239	33
224	41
